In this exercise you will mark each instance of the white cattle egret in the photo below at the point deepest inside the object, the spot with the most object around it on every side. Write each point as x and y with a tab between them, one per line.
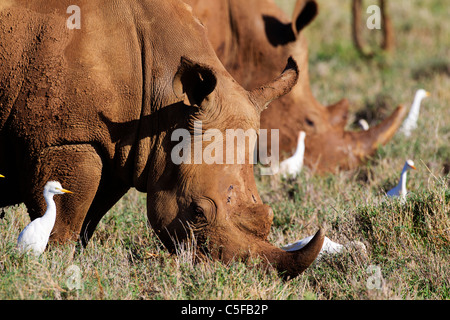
363	124
293	165
328	247
400	189
410	122
35	236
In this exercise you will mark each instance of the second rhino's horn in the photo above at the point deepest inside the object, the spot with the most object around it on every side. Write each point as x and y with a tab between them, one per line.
380	134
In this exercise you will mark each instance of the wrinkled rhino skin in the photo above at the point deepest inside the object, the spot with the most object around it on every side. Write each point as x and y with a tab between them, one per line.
253	39
94	108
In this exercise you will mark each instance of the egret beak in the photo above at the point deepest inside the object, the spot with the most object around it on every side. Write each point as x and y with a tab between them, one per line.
413	167
2	176
66	191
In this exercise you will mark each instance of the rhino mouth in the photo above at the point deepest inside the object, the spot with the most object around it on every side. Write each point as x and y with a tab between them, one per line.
288	264
202	241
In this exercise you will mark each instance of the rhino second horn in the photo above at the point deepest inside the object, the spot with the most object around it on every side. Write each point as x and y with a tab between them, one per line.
278	87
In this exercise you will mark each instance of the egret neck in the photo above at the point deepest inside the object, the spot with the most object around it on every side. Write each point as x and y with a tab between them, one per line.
48	219
402	182
300	146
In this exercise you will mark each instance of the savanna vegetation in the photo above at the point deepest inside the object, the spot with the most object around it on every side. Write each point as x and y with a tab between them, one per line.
408	244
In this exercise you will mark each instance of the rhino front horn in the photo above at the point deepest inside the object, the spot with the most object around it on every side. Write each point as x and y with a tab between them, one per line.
291	264
380	134
278	87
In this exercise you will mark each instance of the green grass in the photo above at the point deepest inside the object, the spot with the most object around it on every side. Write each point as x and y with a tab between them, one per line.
408	243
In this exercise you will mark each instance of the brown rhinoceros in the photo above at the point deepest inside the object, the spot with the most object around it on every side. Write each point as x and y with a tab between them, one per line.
90	97
253	39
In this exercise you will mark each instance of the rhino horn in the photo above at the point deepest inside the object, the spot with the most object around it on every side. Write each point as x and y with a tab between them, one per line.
278	87
380	134
340	149
292	263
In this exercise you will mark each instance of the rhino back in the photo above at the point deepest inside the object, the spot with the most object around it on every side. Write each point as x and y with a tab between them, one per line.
101	84
55	81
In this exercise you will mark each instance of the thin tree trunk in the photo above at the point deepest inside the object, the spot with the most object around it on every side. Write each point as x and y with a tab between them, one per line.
388	43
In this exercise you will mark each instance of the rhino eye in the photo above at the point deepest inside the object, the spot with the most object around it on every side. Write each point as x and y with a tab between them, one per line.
199	211
309	122
204	210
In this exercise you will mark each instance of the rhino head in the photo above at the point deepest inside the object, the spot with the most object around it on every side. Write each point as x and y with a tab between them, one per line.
253	39
216	200
329	146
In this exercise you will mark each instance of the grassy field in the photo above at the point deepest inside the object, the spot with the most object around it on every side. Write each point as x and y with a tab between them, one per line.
408	245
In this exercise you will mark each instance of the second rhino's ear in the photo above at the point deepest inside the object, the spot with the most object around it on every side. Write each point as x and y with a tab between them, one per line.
338	113
305	11
193	82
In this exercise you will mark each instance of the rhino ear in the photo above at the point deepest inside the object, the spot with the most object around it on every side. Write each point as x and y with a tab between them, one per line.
193	82
305	11
338	113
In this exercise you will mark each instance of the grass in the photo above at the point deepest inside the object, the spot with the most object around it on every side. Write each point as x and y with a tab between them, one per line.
408	245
